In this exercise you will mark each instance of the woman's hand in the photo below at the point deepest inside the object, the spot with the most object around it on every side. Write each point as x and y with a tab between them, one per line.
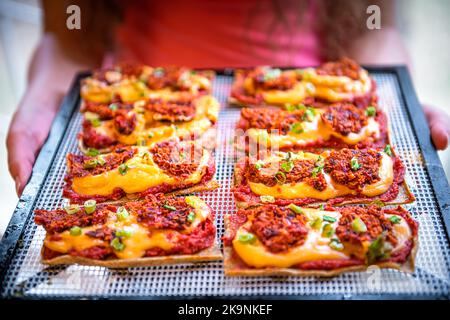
50	74
439	123
28	131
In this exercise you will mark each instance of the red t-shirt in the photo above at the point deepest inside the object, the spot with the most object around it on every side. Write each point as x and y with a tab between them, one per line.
221	33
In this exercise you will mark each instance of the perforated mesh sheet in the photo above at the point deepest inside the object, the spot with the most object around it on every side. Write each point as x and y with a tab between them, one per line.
27	277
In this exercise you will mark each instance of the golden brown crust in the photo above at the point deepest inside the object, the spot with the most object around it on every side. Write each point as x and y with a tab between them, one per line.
210	254
233	268
235	102
404	196
208	186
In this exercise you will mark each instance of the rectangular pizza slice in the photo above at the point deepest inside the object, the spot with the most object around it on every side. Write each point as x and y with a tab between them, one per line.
300	127
155	231
333	176
170	166
144	123
130	83
339	81
290	240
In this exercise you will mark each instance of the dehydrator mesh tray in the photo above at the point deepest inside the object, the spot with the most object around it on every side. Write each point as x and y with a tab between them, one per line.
25	277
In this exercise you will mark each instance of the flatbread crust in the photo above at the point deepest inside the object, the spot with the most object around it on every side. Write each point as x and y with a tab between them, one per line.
210	254
232	268
235	268
235	102
404	195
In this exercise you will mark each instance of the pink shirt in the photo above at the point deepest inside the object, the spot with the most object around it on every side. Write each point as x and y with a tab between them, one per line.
220	33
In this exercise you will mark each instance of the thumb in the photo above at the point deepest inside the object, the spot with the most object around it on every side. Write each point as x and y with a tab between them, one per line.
21	157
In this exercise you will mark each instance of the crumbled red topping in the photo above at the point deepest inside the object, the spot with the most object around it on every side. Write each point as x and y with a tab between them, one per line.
374	219
78	165
344	118
177	159
339	166
278	228
343	67
125	122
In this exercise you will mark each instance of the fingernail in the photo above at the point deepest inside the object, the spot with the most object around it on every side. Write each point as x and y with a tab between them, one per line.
17	181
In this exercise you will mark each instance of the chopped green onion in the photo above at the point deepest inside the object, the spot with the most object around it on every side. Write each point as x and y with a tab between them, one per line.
336	244
280	177
259	164
158	72
75	231
271	74
89	206
123	168
191	217
322	207
290	107
122	213
371	111
95	122
354	164
359	226
246	238
316	223
92	152
388	150
123	233
329	219
90	164
297	128
171	208
113	106
101	160
378	203
287	166
72	209
375	250
267	199
117	245
309	114
395	219
295	208
190	201
316	171
327	230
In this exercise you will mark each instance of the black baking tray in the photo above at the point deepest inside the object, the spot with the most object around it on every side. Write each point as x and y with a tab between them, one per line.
12	238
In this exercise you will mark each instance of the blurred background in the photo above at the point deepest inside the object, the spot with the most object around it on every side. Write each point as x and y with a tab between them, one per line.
424	25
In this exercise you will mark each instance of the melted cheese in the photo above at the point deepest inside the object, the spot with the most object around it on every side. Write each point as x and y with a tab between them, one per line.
131	90
316	247
295	95
68	242
141	175
313	131
333	189
95	91
140	240
207	111
337	88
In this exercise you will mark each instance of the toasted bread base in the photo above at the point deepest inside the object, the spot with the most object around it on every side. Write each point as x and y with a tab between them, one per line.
404	195
234	268
210	254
